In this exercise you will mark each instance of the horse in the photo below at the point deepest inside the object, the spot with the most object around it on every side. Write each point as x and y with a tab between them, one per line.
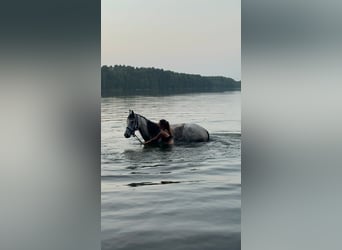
184	132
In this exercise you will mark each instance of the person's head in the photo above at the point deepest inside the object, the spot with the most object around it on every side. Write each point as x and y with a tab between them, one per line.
164	124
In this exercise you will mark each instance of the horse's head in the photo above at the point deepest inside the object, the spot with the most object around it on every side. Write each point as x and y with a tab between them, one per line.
132	124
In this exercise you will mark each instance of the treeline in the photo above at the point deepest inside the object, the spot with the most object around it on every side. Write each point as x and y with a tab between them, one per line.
127	80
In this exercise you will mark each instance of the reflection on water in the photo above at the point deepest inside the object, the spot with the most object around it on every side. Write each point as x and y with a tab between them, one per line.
181	197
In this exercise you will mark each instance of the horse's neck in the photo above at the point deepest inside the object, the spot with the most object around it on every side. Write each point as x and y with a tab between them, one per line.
146	132
143	128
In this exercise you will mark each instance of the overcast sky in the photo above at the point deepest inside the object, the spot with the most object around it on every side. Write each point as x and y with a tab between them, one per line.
190	36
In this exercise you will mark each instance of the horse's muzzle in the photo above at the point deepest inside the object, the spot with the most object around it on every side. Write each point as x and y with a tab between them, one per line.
127	135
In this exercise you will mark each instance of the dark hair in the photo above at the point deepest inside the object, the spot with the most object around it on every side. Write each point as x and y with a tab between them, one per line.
164	124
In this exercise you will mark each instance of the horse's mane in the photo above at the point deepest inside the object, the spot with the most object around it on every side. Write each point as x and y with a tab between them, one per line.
152	127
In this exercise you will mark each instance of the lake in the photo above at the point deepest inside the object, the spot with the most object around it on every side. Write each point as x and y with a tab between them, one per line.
185	197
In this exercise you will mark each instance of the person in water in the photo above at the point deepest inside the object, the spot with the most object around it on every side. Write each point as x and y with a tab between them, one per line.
165	134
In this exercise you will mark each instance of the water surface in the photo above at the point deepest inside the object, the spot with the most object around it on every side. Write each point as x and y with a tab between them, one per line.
184	197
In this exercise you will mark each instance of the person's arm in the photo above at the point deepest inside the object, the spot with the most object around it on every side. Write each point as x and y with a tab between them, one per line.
154	138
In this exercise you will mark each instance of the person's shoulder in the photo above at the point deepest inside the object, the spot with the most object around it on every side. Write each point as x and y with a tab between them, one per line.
164	132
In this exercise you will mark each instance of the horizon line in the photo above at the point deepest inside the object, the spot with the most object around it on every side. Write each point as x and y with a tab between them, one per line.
172	71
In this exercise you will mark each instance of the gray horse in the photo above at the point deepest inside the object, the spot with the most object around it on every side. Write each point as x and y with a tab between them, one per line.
185	132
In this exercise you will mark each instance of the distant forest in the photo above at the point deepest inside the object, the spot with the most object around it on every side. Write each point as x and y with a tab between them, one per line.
126	80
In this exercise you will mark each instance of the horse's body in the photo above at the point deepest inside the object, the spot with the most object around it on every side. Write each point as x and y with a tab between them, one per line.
185	132
189	132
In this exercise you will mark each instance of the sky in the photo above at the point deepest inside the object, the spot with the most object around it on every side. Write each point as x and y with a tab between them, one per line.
188	36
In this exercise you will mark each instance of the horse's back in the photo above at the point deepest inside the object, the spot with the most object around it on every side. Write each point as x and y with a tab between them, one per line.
190	132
